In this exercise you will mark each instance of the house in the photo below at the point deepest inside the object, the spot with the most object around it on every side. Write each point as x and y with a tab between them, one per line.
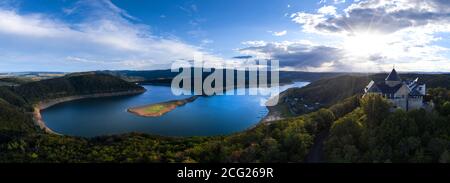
406	95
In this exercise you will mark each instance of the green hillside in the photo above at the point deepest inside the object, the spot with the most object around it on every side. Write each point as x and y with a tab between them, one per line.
13	121
165	76
360	131
373	134
327	91
7	94
73	85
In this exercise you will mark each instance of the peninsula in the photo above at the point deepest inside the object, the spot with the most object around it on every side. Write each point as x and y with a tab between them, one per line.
159	109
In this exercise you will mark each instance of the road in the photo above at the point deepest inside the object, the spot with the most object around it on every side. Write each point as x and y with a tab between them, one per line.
316	153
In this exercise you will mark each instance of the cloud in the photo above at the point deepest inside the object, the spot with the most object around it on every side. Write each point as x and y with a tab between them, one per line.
327	10
376	16
374	34
254	43
243	57
205	42
130	64
281	33
300	55
338	1
106	34
334	1
375	54
33	25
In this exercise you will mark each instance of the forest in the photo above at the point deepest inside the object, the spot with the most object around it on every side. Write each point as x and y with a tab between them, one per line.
361	130
327	91
75	84
372	133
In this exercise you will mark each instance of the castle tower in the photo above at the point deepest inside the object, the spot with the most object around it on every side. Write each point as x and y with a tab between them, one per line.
393	79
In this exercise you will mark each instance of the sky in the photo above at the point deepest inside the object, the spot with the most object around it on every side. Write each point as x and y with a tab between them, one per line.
315	35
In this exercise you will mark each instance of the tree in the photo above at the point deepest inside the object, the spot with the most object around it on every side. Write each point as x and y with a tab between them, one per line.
343	143
323	118
271	150
445	110
375	107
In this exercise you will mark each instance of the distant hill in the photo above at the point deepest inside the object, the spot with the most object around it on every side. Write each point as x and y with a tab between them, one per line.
431	80
309	76
330	90
141	75
73	84
12	81
166	76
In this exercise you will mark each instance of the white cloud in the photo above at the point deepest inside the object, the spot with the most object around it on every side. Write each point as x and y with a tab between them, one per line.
254	43
298	55
334	1
281	33
338	1
374	34
379	16
34	25
108	35
327	10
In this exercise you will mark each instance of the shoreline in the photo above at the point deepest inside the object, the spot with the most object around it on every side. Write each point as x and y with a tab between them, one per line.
271	116
42	105
166	107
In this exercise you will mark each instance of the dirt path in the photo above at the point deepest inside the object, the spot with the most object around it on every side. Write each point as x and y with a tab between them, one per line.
316	153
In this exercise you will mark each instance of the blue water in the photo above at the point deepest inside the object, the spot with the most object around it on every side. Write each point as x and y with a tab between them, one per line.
214	115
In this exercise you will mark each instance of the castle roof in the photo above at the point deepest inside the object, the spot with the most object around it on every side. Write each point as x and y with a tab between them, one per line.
386	89
393	76
415	92
372	87
415	88
382	87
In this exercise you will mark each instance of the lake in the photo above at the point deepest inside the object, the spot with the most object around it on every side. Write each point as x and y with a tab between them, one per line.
213	115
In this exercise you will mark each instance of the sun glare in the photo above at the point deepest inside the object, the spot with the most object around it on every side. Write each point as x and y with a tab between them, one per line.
366	44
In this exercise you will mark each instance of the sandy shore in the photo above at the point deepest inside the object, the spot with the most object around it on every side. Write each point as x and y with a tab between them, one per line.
271	116
38	107
159	109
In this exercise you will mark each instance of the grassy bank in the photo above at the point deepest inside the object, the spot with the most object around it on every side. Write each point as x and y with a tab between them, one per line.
159	109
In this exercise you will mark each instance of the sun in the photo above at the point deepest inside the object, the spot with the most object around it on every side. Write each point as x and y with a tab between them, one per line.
366	44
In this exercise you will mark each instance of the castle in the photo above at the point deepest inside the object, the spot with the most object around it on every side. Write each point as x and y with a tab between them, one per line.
406	95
